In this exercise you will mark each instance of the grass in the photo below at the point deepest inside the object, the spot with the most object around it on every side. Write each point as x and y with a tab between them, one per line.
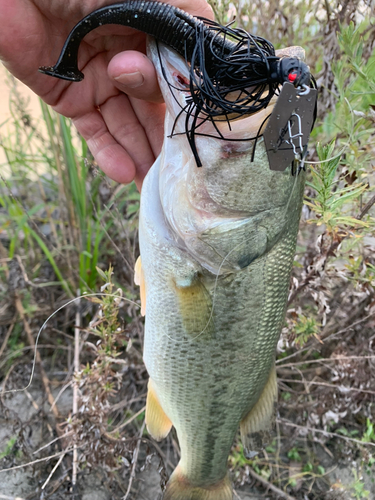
70	211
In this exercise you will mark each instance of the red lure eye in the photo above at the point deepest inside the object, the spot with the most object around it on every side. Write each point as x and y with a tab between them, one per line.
292	77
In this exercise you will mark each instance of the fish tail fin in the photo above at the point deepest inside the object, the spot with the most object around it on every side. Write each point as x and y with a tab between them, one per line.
255	427
179	488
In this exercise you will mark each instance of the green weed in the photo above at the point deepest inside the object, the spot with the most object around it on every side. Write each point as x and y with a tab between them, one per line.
11	449
369	434
330	200
304	329
357	487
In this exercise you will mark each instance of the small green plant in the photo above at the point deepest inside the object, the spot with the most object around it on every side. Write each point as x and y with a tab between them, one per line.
345	432
238	461
294	455
10	449
357	487
369	434
331	199
304	329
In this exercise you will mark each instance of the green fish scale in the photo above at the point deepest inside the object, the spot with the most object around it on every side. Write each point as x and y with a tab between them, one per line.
209	375
208	384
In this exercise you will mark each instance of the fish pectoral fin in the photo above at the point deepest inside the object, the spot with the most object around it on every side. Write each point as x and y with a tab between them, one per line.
157	422
195	308
180	488
256	425
139	279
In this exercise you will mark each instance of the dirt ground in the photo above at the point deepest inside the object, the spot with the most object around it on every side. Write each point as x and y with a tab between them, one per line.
94	484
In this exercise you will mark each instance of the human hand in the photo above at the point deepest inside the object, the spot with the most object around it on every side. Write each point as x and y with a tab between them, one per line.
118	108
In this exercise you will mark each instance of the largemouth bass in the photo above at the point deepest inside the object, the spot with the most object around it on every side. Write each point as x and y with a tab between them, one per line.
217	242
217	246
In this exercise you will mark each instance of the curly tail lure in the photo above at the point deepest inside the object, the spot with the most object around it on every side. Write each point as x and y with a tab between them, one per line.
222	60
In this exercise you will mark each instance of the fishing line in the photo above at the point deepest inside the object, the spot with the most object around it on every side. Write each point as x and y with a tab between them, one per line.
346	145
250	68
221	265
134	303
51	316
213	301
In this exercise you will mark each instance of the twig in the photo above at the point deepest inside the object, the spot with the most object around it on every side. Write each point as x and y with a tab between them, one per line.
53	471
330	336
77	329
293	355
161	453
122	404
128	421
5	381
326	384
62	390
53	441
303	285
7	335
366	208
335	359
134	461
326	433
32	400
270	486
45	459
5	497
30	338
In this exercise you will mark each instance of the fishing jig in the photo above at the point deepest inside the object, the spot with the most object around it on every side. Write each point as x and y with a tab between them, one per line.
222	60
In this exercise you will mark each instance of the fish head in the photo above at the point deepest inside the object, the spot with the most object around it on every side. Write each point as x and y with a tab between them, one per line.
234	195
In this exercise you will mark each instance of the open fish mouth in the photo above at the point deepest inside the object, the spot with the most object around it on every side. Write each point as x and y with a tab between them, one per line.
220	85
231	73
235	196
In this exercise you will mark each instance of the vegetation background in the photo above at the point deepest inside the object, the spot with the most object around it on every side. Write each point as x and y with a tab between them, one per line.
66	230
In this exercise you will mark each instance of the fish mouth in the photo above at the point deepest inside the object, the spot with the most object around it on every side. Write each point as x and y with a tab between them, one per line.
232	73
232	125
232	202
231	121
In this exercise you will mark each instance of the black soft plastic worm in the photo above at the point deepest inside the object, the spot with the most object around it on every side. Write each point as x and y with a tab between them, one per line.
179	30
222	59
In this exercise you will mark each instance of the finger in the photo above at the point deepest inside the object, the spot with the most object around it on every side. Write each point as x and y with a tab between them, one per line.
126	128
134	74
109	154
151	117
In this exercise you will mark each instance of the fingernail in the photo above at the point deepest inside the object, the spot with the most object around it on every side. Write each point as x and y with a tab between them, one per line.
131	80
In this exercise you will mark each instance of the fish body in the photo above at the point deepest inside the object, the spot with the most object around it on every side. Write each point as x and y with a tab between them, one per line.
217	242
217	245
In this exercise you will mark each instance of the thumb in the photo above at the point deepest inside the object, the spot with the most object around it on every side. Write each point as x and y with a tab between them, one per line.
134	74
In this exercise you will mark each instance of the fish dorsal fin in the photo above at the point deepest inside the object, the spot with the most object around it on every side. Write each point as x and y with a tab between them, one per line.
256	425
158	424
139	279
